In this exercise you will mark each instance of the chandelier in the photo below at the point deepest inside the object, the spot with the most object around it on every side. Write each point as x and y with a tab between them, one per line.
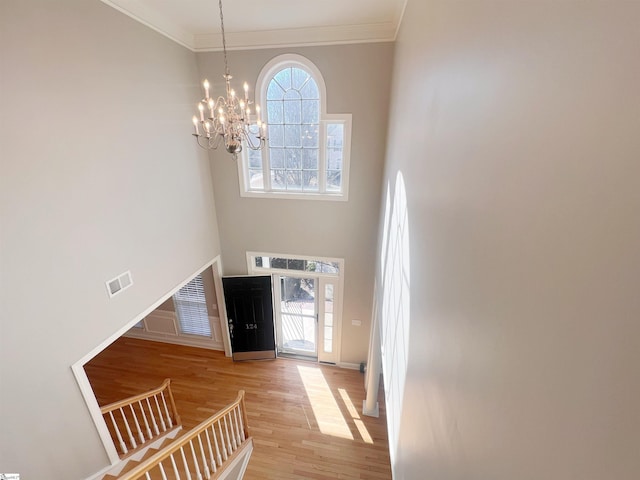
228	120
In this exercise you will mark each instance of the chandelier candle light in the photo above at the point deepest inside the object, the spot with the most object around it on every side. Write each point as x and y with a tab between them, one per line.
228	119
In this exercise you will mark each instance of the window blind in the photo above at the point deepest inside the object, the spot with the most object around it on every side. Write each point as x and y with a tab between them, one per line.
191	309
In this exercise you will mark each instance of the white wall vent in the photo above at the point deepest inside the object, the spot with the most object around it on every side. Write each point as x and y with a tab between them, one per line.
119	284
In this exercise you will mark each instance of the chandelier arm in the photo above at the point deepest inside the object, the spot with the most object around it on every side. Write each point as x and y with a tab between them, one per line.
249	141
205	146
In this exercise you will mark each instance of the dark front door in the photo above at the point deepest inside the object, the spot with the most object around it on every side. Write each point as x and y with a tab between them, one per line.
250	316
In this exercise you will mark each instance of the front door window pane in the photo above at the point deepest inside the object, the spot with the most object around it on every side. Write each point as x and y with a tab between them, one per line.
298	311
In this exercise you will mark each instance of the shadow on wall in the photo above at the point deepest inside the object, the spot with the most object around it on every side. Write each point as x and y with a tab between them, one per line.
394	313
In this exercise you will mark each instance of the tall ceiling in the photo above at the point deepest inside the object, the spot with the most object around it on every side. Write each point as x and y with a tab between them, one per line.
267	23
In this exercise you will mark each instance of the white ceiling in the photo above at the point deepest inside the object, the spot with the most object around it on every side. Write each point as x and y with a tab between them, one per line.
267	23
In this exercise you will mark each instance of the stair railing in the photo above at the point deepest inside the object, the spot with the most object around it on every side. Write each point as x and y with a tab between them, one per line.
204	451
136	421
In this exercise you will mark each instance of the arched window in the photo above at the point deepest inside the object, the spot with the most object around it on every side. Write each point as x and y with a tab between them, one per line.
308	150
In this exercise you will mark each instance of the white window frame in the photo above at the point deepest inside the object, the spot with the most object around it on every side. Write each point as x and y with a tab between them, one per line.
268	71
323	278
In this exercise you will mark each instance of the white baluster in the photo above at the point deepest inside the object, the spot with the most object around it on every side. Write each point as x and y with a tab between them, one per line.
195	460
234	424
224	443
164	476
164	427
123	446
144	417
241	424
231	441
135	419
215	442
212	460
175	469
207	474
235	418
184	462
153	418
169	420
126	424
147	476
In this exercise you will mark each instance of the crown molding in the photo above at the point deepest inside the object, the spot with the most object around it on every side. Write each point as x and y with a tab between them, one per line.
308	36
154	20
329	35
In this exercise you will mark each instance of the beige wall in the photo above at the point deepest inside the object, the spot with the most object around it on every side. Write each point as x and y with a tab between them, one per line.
515	126
96	154
357	78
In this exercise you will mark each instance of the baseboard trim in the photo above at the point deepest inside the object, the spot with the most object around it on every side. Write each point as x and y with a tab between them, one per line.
350	366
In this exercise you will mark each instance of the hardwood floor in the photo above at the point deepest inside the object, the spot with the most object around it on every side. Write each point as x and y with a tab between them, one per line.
304	417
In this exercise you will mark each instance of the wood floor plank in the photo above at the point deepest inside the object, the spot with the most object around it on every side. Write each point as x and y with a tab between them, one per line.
303	416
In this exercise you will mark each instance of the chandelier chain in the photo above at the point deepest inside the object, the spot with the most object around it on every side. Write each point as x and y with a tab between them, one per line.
224	40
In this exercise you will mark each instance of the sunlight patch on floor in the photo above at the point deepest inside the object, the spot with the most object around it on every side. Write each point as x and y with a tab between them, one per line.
325	408
364	433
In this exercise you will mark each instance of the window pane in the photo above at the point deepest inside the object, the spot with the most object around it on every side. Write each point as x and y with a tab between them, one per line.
294	180
310	91
292	113
256	180
279	263
335	143
283	77
293	159
299	78
310	137
278	179
334	180
310	158
274	92
310	111
310	180
295	264
303	265
276	135
328	318
292	136
274	112
334	159
328	339
255	158
276	157
292	95
328	295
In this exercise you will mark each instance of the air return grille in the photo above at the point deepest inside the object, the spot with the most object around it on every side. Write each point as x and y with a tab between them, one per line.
119	284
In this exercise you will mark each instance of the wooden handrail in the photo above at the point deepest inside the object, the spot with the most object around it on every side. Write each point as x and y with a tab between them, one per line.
181	442
136	398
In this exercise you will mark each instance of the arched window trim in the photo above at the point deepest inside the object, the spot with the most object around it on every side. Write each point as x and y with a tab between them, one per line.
266	74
